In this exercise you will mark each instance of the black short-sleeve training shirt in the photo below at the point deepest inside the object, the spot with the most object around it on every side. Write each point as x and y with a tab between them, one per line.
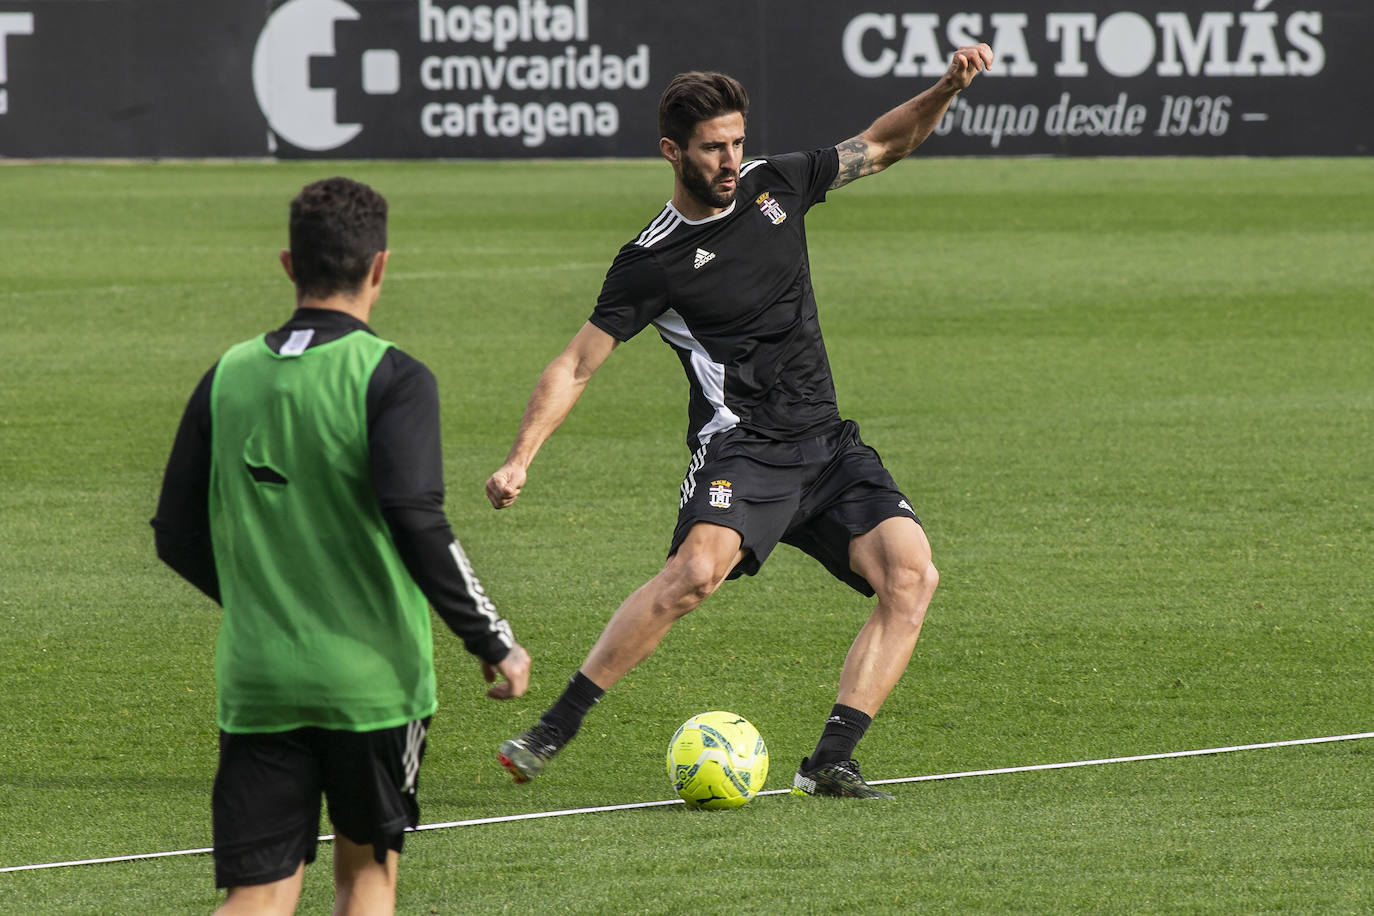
732	295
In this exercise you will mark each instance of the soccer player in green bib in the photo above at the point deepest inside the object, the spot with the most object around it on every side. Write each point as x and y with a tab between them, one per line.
304	493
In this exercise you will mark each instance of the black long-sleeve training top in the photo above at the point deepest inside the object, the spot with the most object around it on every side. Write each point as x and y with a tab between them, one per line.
406	456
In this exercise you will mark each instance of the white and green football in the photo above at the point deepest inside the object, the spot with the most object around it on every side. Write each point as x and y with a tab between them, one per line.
717	760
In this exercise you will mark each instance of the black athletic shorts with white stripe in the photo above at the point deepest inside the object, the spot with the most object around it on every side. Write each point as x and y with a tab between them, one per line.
816	494
268	788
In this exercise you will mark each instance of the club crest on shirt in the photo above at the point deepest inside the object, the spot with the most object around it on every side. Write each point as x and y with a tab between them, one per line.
770	208
720	494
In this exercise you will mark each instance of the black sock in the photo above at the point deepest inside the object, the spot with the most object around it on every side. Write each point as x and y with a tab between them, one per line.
843	730
577	700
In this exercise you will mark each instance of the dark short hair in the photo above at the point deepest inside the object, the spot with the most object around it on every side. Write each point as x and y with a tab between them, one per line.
698	96
338	226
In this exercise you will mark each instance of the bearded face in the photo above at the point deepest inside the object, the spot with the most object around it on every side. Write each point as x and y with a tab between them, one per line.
708	165
716	190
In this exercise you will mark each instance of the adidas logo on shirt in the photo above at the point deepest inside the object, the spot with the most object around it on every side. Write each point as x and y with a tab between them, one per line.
703	256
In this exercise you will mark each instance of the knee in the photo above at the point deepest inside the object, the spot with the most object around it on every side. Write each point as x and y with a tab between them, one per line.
694	579
909	588
930	578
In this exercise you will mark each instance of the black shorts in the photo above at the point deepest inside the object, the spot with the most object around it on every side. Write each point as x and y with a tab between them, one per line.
816	494
268	787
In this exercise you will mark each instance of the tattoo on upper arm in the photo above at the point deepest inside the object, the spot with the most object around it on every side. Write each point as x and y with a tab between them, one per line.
858	158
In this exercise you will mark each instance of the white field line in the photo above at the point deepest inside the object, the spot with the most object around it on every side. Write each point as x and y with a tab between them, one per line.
1165	756
536	815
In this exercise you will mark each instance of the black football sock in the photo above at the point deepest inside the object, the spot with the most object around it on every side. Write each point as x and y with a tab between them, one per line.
577	700
843	730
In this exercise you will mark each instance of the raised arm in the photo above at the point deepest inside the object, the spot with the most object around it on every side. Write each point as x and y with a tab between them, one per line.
893	136
560	385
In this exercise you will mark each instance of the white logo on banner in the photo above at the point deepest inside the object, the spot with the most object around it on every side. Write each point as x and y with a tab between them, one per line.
302	115
558	62
1125	44
1252	43
10	24
528	71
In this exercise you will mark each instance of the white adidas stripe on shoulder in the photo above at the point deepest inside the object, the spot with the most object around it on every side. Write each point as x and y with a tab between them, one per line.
669	219
663	224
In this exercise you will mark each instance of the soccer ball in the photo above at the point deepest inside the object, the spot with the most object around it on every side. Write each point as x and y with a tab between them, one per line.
717	760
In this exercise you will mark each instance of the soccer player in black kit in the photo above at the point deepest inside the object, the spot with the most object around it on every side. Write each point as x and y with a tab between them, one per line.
723	275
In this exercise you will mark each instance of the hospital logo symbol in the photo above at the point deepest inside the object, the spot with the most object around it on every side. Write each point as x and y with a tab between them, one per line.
770	208
720	494
297	112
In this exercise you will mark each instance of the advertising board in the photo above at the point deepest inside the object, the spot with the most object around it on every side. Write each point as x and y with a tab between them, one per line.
581	78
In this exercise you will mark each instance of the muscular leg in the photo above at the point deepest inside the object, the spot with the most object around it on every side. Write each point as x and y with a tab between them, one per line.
278	897
696	570
362	885
895	559
701	563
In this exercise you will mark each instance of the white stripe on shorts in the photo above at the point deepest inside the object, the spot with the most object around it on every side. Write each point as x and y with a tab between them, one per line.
415	738
689	483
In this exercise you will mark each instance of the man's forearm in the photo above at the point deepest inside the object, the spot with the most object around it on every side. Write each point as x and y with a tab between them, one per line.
898	132
560	385
554	395
437	563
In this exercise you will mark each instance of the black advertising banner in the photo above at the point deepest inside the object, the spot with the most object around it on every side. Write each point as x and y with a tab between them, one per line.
1123	77
126	78
558	78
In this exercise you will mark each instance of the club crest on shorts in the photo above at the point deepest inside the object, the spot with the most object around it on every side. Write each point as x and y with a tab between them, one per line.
770	208
720	494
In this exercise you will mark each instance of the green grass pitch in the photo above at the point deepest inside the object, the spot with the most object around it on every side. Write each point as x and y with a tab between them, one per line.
1133	402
